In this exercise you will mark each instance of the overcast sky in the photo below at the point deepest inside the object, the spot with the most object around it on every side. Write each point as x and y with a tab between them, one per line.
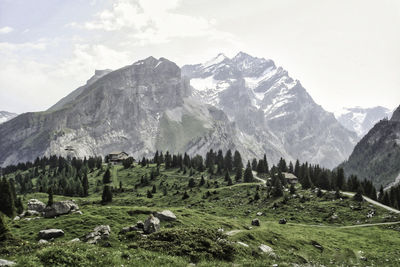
344	52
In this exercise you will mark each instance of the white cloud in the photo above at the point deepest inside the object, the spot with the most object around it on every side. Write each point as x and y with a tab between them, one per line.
152	22
6	29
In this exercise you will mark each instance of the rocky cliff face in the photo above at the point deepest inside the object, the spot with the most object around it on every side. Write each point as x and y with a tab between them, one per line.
137	109
377	155
6	116
361	120
271	109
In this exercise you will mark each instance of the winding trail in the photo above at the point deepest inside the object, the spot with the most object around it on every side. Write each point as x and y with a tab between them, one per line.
258	178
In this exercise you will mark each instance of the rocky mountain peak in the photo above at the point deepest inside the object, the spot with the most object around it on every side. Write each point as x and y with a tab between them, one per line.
396	115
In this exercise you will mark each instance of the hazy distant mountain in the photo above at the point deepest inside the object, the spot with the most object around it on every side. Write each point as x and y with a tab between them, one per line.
377	155
271	109
361	120
138	109
5	116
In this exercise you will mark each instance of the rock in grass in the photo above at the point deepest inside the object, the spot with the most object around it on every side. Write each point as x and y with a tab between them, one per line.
36	205
140	225
151	225
6	263
50	233
100	232
60	208
243	244
74	240
165	215
255	222
266	249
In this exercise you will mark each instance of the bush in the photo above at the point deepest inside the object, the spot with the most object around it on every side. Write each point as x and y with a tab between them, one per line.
197	243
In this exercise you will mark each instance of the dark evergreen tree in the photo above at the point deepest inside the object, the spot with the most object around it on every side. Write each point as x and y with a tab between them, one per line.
154	189
340	179
248	174
107	194
256	196
202	181
358	196
107	177
185	195
192	183
85	185
237	160
6	198
19	206
228	161
292	189
254	164
238	174
149	194
50	197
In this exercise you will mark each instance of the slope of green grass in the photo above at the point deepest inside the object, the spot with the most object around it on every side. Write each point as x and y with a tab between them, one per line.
199	217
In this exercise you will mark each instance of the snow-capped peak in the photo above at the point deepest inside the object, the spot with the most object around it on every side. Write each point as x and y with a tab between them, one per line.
218	59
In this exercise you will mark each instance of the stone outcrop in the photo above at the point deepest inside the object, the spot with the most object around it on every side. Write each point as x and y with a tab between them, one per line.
60	208
50	233
100	232
151	225
36	205
165	215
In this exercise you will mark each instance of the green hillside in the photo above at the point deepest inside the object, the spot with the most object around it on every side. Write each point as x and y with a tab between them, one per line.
210	223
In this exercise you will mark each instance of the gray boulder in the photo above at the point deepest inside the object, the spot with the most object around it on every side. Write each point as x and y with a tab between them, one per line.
6	263
36	205
60	208
255	222
140	225
266	249
151	225
50	233
165	215
100	232
129	229
42	241
32	213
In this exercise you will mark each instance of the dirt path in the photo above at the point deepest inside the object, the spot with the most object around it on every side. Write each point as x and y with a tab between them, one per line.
258	178
373	202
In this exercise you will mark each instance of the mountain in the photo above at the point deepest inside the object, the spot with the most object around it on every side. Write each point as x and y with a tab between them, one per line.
361	120
5	116
377	155
138	109
271	109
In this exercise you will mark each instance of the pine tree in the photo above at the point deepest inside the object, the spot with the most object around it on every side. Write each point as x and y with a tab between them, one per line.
248	174
107	195
358	196
228	161
307	181
154	189
237	160
192	183
227	176
254	164
238	175
85	185
292	189
266	167
149	194
202	181
19	206
185	196
256	196
6	198
277	190
107	177
340	180
50	197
